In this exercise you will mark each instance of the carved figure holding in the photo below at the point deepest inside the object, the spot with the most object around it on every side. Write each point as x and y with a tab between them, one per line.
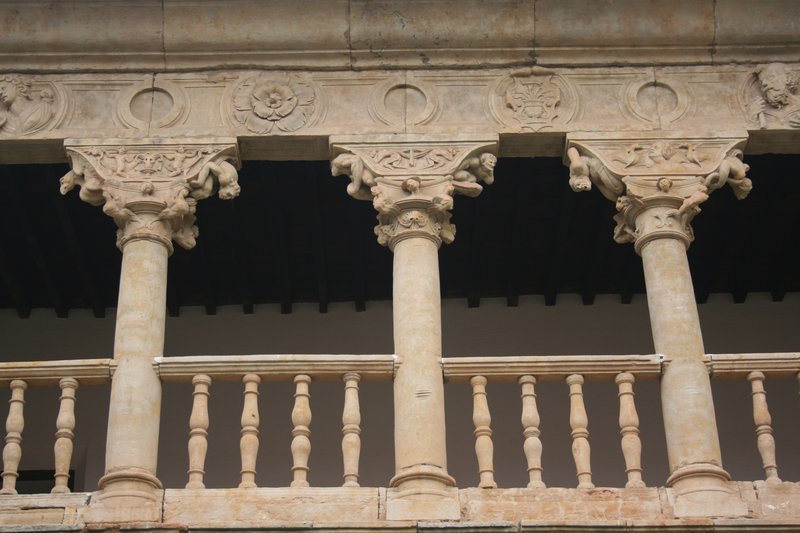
122	159
91	186
472	170
732	171
362	179
177	160
585	171
22	112
690	206
225	175
777	101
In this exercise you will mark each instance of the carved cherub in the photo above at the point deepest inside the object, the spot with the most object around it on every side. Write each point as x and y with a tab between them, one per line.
472	170
84	175
584	171
177	160
690	206
362	179
226	176
732	171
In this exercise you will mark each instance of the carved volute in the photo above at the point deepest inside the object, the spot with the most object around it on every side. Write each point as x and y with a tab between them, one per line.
657	181
150	187
412	182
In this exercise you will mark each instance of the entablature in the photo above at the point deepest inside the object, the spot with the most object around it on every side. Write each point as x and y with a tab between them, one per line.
291	115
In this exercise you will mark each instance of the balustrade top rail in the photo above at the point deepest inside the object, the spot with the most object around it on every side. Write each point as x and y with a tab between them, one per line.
275	367
278	367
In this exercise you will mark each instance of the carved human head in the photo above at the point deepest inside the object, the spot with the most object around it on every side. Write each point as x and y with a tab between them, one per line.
776	83
11	88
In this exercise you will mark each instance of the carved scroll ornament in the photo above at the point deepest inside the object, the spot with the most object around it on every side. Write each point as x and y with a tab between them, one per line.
151	188
657	184
411	185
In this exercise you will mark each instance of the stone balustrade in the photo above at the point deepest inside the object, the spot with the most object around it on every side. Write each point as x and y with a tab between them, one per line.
303	370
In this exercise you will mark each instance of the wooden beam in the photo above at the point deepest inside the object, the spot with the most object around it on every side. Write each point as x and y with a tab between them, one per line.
314	181
280	245
358	254
205	272
12	283
242	255
559	243
603	241
90	291
518	230
474	270
16	192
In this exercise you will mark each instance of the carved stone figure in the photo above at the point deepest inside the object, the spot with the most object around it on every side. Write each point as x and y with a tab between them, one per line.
777	102
21	111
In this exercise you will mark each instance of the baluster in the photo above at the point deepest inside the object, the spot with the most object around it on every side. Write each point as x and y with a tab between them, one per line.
248	444
530	431
763	421
351	429
15	423
301	443
65	432
629	429
198	432
579	423
482	419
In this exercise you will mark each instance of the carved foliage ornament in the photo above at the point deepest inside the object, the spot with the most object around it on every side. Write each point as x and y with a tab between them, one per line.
671	176
412	187
25	107
770	97
151	190
532	99
267	102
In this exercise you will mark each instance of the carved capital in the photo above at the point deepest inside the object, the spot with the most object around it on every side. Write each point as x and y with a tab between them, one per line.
411	181
658	182
150	187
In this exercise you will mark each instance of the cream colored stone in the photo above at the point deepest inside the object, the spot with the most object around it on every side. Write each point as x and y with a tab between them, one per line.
259	507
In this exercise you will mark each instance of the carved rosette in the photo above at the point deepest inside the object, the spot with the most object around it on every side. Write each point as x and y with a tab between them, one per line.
411	184
150	187
275	103
658	183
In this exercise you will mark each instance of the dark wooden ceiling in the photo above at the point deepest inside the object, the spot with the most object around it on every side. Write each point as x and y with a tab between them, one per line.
295	236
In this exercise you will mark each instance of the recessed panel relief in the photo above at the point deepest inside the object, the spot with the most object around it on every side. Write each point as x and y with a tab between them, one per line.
401	101
532	99
657	102
769	96
27	106
158	104
273	103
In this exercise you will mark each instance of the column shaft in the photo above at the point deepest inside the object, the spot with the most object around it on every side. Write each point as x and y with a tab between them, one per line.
420	455
135	406
687	403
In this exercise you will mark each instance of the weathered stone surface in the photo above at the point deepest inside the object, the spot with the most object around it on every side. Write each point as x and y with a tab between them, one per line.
258	506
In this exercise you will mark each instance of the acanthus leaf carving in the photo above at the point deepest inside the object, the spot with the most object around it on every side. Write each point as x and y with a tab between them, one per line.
411	185
26	107
667	177
150	188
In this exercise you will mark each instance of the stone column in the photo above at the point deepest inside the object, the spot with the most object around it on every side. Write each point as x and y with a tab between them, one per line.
150	188
658	184
411	183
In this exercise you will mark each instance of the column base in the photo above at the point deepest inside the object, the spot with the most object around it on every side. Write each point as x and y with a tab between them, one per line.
703	490
422	492
128	495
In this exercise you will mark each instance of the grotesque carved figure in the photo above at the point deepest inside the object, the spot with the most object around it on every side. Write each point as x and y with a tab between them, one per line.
21	111
777	101
584	170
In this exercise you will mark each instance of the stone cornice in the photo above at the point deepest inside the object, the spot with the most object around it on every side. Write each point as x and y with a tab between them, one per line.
360	34
150	187
658	180
291	115
411	180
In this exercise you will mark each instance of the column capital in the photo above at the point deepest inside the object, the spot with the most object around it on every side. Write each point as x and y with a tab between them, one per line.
412	179
150	186
658	180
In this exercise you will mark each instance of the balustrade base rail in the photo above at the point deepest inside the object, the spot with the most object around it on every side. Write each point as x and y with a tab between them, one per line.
769	508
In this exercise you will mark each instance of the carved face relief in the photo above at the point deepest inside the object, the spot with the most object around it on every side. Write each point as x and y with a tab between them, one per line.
776	84
264	102
22	111
8	93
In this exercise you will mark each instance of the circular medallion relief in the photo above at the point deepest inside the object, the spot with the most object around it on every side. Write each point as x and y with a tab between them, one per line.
398	101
